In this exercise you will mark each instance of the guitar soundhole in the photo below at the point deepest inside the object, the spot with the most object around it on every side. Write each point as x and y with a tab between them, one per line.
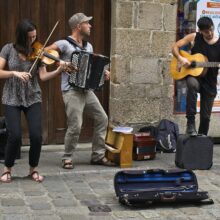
193	64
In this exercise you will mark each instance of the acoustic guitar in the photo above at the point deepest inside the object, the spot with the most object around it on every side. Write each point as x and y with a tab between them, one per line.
198	67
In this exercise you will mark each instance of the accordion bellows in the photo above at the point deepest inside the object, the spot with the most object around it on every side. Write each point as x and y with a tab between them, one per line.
90	69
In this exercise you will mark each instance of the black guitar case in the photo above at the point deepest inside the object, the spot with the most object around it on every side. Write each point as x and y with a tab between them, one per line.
145	187
194	153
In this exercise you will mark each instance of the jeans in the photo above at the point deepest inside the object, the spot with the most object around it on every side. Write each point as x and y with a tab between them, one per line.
77	102
13	122
206	103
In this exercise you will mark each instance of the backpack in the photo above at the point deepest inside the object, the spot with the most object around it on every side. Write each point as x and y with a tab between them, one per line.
167	133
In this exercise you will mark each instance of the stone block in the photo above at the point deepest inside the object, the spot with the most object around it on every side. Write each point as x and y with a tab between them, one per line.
123	14
153	91
130	42
128	91
113	13
167	107
170	13
165	72
134	111
120	69
144	70
172	2
150	16
162	42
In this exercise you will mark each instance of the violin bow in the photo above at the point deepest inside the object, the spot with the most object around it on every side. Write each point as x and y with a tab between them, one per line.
42	49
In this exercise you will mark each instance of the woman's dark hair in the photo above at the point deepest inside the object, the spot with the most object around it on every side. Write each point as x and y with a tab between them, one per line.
204	23
21	43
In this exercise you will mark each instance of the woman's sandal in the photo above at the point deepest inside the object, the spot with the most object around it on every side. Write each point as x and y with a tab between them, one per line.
36	177
8	177
67	164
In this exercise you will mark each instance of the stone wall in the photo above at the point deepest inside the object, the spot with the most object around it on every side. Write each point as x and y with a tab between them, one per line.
141	89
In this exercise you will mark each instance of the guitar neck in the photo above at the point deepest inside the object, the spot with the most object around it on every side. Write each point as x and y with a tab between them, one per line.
207	64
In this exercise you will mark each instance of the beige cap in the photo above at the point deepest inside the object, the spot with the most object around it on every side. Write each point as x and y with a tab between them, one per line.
78	18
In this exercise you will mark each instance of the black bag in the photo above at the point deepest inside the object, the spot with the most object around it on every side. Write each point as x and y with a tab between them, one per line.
3	137
167	133
194	152
151	129
145	187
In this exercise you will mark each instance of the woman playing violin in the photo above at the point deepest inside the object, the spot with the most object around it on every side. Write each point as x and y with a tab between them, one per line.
22	92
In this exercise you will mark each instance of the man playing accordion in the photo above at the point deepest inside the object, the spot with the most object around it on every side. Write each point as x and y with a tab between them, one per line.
78	99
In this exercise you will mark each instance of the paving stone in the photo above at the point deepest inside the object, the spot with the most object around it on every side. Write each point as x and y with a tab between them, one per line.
34	193
15	210
79	210
73	216
203	217
85	196
99	208
40	206
12	202
102	217
43	212
191	211
58	195
150	214
46	217
64	202
110	200
15	217
126	214
215	213
55	186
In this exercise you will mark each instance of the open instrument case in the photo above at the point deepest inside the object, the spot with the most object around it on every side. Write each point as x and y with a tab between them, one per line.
145	187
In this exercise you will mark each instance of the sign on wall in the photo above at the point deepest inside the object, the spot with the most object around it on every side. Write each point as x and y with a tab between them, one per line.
210	8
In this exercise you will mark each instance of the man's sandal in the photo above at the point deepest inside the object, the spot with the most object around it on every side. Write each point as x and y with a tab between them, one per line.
104	161
36	177
8	177
67	164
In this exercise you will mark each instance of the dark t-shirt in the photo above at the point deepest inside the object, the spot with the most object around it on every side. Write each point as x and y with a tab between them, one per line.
212	52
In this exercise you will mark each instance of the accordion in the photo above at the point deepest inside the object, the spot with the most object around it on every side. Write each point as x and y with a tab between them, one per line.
90	68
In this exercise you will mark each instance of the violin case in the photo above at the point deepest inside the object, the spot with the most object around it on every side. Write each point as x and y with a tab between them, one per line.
144	146
147	187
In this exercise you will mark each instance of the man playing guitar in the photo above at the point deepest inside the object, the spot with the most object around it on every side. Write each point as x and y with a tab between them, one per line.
205	42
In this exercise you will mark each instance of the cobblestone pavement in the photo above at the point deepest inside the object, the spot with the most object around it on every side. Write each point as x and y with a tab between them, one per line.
87	192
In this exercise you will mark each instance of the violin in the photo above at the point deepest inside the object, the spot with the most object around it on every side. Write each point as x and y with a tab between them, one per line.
48	57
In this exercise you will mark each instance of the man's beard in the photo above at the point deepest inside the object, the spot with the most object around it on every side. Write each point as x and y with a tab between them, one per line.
85	35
